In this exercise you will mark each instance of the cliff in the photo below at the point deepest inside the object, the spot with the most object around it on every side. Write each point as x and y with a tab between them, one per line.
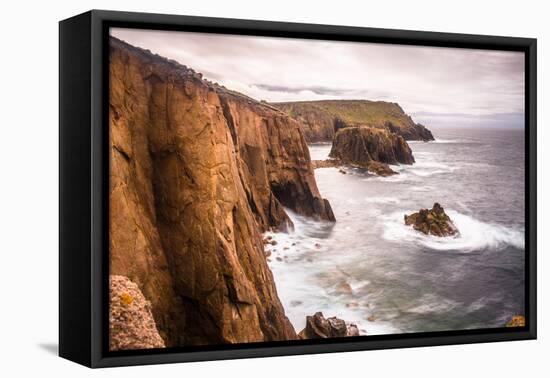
321	119
197	172
370	148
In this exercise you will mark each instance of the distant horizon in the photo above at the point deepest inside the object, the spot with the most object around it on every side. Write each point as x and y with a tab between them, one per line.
432	84
495	120
453	120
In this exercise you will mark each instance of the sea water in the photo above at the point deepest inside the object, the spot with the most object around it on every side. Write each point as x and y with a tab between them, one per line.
370	269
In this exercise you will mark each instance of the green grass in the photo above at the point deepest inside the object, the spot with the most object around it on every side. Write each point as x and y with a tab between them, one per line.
352	112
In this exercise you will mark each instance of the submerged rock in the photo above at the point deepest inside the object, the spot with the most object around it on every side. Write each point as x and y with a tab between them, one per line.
516	321
380	169
432	222
318	327
343	288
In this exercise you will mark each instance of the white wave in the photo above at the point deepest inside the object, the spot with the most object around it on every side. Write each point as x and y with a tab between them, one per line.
417	172
382	200
429	168
444	141
476	305
306	274
401	177
430	303
474	235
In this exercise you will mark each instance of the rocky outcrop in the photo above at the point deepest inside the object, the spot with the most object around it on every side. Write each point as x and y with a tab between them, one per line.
197	172
327	163
370	148
131	323
322	119
516	321
432	222
318	327
318	123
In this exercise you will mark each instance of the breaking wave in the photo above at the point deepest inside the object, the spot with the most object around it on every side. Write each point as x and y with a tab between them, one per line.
475	235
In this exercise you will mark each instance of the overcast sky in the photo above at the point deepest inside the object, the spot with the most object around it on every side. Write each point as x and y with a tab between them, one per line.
425	81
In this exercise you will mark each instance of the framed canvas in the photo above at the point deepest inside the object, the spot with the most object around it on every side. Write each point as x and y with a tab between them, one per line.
235	188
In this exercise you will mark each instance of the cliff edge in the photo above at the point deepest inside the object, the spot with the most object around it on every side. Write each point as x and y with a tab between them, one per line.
322	119
197	172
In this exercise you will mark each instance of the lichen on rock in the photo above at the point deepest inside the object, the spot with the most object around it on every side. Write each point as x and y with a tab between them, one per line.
516	321
131	323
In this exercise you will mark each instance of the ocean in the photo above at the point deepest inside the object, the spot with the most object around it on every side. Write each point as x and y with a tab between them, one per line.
370	269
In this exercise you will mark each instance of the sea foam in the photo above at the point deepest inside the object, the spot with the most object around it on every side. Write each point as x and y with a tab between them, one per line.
475	235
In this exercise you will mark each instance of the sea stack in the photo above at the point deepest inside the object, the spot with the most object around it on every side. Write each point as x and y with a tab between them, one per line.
432	222
370	148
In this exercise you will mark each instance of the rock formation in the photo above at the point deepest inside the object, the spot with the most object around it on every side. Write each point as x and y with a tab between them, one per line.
197	172
327	163
516	321
322	119
131	324
370	148
317	327
432	222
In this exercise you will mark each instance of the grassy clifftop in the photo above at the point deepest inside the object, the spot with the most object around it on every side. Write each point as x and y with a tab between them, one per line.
322	118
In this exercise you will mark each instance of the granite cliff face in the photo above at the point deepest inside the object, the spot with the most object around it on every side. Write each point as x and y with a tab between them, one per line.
370	148
321	119
197	172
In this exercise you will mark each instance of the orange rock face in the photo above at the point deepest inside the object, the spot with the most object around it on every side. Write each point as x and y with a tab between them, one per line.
197	172
370	148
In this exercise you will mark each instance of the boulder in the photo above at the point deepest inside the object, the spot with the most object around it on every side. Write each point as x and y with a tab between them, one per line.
516	321
131	323
380	169
432	221
318	327
353	330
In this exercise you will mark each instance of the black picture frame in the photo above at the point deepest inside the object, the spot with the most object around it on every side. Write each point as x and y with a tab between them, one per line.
83	182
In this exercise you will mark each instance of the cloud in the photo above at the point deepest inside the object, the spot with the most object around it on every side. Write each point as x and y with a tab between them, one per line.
419	78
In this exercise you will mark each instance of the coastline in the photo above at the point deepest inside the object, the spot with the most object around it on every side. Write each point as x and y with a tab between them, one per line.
483	239
196	193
